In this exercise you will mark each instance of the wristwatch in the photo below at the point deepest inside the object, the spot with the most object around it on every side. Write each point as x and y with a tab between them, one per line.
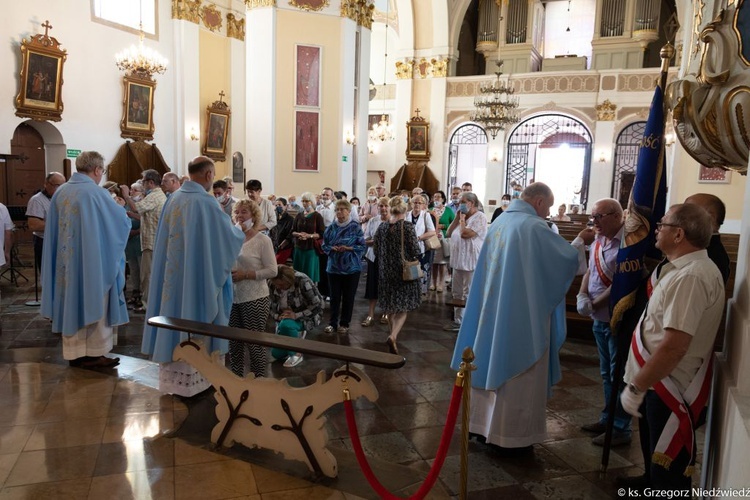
634	389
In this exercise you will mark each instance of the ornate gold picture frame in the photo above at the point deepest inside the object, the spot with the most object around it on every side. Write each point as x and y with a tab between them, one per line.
417	138
217	129
41	78
138	108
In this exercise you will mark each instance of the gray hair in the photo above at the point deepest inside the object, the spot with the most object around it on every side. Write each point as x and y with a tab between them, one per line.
88	161
695	221
151	175
307	196
536	190
612	204
469	196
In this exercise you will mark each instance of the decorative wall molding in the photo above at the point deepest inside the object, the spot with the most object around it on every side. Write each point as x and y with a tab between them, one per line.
257	4
605	112
309	5
422	68
186	10
404	69
557	84
359	11
235	27
211	17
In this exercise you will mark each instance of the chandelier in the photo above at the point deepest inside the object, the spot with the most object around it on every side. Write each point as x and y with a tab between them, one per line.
140	60
383	130
496	107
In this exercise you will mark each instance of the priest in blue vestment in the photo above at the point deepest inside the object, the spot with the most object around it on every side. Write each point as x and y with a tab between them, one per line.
196	246
83	265
515	322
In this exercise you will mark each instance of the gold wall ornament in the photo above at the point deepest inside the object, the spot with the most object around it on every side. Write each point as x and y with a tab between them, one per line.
359	11
404	69
187	10
605	112
711	106
309	5
211	17
255	4
365	16
41	77
439	68
235	27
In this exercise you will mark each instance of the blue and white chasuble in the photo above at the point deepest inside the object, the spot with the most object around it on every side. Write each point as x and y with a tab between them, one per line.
83	262
195	248
515	310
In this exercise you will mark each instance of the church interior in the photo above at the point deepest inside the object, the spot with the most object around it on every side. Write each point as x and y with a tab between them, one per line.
305	94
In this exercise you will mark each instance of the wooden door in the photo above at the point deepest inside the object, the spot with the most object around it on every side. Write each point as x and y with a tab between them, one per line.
22	180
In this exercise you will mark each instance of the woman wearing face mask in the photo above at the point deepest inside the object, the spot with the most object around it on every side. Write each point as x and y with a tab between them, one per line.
308	226
504	202
255	264
370	208
221	192
344	244
444	215
371	287
467	233
424	227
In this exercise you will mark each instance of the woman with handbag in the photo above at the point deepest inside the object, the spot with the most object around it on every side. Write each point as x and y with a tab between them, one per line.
344	244
307	228
397	253
424	228
445	216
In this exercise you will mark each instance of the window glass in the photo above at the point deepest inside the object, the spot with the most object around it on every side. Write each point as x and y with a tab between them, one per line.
126	13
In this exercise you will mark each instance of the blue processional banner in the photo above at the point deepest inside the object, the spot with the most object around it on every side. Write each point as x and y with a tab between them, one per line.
646	207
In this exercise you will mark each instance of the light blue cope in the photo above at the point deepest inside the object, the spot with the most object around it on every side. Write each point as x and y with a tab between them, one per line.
83	263
515	310
195	249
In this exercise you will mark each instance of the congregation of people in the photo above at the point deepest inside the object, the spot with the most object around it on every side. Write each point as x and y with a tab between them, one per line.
198	250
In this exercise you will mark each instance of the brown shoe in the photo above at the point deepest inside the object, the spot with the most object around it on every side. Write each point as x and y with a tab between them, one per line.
391	345
100	362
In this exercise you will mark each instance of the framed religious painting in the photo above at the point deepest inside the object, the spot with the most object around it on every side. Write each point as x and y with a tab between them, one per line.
417	138
137	108
306	141
715	175
41	78
217	129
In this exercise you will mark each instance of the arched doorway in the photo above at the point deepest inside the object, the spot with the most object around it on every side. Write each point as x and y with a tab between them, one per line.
467	158
20	180
627	146
554	149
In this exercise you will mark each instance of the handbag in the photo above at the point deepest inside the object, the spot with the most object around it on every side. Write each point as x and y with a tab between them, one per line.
446	243
411	269
432	243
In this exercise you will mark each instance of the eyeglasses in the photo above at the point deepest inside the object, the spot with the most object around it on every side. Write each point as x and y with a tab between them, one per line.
659	225
598	217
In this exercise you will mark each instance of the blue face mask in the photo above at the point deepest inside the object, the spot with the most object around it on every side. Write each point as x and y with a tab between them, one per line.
516	194
279	210
463	208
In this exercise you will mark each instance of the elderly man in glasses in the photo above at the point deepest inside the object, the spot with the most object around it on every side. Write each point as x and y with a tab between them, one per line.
593	301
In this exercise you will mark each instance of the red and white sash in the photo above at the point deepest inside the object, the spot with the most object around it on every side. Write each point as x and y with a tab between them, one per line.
679	430
604	272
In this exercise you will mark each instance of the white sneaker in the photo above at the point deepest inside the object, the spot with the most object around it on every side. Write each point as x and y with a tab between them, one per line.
293	361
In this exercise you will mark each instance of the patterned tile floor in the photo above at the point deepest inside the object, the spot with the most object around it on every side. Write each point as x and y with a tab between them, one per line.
67	432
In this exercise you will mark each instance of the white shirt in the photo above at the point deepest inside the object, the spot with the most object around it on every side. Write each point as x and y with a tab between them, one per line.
370	229
422	224
7	225
267	214
256	255
38	207
327	213
465	251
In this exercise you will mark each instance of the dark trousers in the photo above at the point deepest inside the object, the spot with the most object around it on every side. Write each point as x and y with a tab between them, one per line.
323	283
38	246
343	287
655	415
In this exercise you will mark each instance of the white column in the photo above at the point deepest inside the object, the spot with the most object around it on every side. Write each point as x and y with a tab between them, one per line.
365	39
600	180
436	117
237	104
187	110
261	96
346	110
402	115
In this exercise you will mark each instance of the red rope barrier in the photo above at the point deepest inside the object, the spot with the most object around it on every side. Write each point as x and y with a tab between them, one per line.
429	482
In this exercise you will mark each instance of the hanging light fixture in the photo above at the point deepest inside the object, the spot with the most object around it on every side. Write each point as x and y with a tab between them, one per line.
496	107
139	60
383	130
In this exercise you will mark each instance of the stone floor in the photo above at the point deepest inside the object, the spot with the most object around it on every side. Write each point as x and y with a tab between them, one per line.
72	433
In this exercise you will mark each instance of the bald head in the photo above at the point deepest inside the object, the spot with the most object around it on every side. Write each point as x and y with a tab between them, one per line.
711	204
201	170
539	196
170	182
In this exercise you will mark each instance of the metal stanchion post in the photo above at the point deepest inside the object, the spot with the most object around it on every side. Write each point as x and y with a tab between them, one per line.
467	366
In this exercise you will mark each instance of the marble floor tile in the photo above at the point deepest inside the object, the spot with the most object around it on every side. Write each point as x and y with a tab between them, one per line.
421	346
13	438
135	455
7	461
214	480
188	454
11	393
74	409
583	456
390	447
66	434
484	472
537	466
55	464
137	426
436	391
514	491
564	488
269	481
73	489
157	484
415	416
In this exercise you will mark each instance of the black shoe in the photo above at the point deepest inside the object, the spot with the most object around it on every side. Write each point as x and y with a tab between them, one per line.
478	437
512	452
596	427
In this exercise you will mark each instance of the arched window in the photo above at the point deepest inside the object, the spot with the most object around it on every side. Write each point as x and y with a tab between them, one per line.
466	135
626	160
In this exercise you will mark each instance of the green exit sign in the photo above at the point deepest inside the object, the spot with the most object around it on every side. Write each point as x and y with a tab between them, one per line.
344	158
73	153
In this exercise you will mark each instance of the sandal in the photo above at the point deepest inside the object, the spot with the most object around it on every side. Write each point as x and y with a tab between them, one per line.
329	329
384	319
367	322
342	330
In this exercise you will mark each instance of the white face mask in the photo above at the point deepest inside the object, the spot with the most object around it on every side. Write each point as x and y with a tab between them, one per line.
438	203
372	198
221	199
248	224
136	198
326	203
505	203
114	196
